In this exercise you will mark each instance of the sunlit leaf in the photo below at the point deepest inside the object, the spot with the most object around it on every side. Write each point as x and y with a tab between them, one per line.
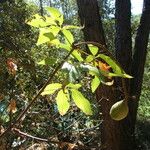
116	68
81	102
68	36
77	55
93	71
93	49
47	61
95	83
54	30
119	75
37	21
44	36
74	86
65	46
51	88
54	42
62	101
56	14
119	110
71	27
89	58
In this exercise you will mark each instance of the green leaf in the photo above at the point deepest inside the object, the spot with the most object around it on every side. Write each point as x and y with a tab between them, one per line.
119	75
93	71
71	27
89	58
44	36
119	110
81	102
55	14
118	71
77	55
54	30
93	49
68	36
95	83
62	101
74	86
38	21
51	88
65	46
54	42
47	61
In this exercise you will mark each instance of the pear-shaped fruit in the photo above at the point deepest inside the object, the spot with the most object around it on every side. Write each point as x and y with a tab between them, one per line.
119	110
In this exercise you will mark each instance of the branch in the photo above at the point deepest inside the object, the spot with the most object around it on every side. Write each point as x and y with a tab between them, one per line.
59	143
103	49
38	94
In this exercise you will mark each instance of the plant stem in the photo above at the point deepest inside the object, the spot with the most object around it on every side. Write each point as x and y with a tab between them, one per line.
38	94
105	50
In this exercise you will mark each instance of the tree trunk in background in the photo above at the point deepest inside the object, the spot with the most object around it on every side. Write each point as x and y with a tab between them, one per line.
123	45
139	57
91	20
123	40
41	7
118	135
93	31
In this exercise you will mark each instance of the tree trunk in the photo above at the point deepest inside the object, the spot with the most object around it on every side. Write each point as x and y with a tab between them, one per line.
123	44
118	135
123	41
91	20
139	57
41	7
93	31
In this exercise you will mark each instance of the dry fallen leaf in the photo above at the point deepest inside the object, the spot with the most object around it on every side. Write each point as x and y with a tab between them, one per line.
12	106
11	65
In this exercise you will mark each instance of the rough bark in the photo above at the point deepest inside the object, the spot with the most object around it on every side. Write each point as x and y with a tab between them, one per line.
91	20
123	41
93	31
123	45
139	57
118	135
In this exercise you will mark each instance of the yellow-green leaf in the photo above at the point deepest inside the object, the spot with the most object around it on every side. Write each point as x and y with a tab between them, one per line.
93	49
62	101
89	58
55	14
81	102
37	21
51	88
74	86
68	36
118	71
47	61
44	36
71	27
95	83
119	110
77	55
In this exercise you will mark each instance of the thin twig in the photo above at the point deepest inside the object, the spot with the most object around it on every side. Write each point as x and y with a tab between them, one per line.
59	143
105	50
22	134
38	94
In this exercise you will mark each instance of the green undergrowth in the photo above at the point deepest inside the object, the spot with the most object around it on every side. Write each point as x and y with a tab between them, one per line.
143	116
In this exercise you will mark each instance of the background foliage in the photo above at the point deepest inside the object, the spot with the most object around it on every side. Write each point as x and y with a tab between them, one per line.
18	42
